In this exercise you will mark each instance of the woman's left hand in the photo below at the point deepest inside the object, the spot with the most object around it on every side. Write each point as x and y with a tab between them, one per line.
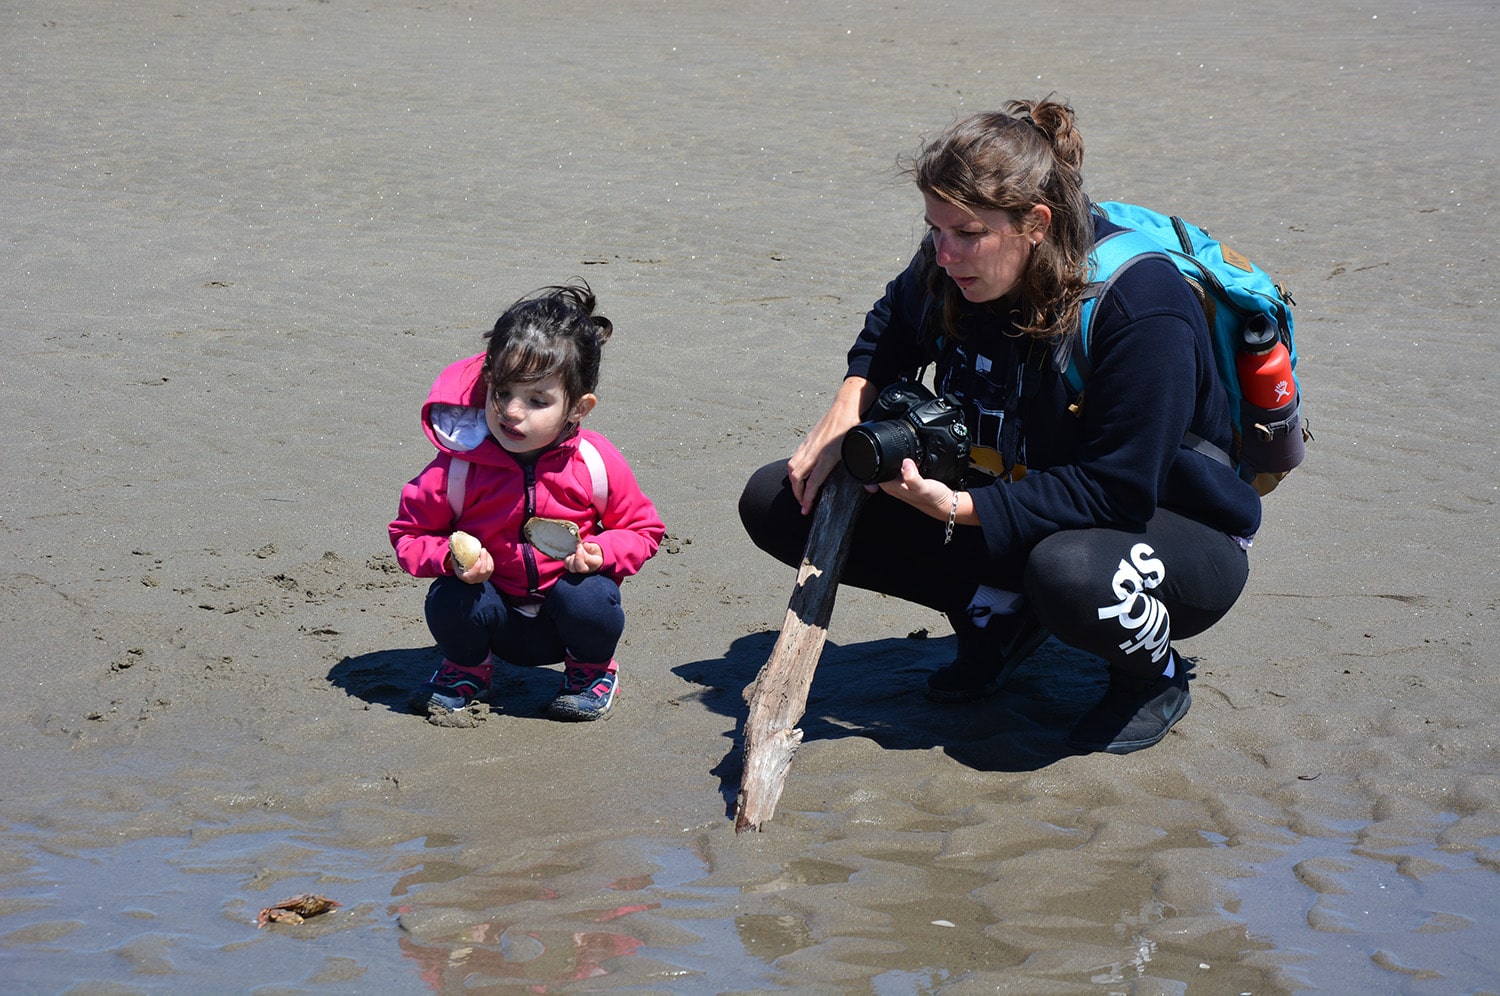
588	558
932	497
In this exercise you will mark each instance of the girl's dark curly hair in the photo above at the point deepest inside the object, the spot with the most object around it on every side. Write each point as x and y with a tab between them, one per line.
551	331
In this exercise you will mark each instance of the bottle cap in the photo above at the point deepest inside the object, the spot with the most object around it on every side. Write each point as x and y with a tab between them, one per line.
1260	334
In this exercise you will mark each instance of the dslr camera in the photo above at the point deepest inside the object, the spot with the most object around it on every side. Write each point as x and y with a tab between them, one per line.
906	420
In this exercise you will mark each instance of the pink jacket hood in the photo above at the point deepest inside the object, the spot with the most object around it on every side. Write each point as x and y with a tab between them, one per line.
453	415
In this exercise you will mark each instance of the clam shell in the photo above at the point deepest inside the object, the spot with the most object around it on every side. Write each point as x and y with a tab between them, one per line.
555	537
466	549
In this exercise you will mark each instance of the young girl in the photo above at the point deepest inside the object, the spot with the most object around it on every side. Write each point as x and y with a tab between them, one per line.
510	449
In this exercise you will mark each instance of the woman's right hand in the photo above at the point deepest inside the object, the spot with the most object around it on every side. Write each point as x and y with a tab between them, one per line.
819	451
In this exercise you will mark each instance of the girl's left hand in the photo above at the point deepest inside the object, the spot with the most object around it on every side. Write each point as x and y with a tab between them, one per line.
932	497
587	559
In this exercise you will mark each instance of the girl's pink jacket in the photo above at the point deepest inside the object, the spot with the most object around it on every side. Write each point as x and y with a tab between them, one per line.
500	494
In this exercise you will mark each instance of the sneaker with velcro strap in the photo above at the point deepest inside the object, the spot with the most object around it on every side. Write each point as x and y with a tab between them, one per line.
588	692
452	687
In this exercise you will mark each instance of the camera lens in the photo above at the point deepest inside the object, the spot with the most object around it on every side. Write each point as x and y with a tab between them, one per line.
873	451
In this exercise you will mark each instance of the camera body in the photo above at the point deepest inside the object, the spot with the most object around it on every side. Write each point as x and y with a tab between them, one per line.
907	420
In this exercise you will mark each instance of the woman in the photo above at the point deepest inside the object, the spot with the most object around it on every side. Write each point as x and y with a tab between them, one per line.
1085	516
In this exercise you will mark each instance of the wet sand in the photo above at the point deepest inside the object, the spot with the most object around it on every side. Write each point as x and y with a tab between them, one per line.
241	241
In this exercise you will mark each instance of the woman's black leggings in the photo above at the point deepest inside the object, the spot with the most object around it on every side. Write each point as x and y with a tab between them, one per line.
1119	594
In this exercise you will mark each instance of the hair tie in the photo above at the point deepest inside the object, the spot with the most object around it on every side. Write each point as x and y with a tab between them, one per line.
1027	118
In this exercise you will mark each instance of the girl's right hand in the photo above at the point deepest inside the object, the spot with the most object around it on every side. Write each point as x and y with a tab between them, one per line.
819	451
479	573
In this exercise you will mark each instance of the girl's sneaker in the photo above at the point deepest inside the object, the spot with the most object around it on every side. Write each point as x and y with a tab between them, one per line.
588	691
453	687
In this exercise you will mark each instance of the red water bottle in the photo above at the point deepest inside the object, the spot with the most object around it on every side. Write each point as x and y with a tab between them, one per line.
1265	366
1271	438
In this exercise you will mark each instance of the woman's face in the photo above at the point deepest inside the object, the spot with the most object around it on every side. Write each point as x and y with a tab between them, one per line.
983	252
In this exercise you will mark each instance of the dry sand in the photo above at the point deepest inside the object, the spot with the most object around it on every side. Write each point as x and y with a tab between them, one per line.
242	239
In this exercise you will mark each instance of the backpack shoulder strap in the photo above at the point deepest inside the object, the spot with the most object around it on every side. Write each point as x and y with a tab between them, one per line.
597	474
1110	257
458	483
458	479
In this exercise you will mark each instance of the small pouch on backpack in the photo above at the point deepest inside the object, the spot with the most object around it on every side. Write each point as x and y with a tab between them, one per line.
1272	442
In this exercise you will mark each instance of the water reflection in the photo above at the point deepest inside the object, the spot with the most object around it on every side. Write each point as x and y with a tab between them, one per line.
493	952
541	926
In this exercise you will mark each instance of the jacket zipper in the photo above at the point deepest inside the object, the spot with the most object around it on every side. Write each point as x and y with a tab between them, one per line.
528	552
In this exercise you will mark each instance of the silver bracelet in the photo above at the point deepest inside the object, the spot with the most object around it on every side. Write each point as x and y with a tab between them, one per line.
952	518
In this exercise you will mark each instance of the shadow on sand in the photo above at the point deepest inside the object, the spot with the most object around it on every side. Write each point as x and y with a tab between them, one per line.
872	690
389	677
876	690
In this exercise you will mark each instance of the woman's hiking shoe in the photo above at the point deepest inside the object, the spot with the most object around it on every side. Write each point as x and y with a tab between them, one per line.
987	657
588	691
453	687
1134	713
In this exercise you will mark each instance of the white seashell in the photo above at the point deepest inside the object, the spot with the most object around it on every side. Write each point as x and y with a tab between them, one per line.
555	537
465	548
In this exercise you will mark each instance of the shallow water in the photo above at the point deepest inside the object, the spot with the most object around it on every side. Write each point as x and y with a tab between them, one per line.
160	914
179	914
1346	916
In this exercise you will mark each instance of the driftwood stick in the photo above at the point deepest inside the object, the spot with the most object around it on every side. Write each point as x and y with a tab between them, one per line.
779	696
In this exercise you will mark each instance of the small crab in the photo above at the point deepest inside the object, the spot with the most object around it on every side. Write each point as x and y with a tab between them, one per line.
295	909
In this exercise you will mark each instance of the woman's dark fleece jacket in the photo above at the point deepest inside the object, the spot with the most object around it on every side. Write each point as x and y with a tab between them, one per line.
1153	379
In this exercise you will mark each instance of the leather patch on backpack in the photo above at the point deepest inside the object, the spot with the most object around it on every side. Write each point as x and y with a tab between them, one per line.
1235	259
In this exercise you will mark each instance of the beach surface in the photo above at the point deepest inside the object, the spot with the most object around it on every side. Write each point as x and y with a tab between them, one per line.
241	240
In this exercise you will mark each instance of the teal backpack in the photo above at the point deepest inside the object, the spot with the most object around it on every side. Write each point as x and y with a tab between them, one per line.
1234	293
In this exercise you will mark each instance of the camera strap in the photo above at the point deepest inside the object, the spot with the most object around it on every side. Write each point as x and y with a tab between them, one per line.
1019	392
